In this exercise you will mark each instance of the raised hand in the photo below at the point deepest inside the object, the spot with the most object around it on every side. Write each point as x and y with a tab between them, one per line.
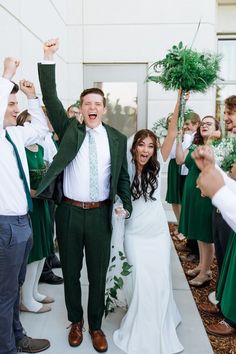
204	157
50	47
210	181
10	67
28	89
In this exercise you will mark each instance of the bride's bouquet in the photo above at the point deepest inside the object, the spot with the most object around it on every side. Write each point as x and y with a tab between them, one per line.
186	69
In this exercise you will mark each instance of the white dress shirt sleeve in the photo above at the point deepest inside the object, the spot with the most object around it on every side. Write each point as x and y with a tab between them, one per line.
32	132
225	201
230	183
187	141
5	90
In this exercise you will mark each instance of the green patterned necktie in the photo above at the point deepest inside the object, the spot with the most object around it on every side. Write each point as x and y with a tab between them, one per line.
93	167
22	173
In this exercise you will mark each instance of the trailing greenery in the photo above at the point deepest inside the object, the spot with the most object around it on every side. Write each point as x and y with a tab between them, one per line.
117	282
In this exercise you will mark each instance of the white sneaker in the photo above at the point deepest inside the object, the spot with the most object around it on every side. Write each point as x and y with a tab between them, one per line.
212	298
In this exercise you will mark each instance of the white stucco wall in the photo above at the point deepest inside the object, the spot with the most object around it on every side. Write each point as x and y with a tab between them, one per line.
107	31
226	14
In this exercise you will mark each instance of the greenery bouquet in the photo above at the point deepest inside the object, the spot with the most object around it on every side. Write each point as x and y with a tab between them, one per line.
186	69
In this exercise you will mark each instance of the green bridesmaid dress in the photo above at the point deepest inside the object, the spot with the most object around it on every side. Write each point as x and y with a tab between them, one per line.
173	183
40	217
196	211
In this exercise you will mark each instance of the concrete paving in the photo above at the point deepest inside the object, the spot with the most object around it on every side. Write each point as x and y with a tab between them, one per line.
53	325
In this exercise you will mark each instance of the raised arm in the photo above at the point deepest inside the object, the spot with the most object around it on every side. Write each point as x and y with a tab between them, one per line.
38	128
46	71
181	153
172	131
10	67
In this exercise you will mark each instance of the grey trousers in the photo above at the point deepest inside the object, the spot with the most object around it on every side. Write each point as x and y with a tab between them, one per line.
15	245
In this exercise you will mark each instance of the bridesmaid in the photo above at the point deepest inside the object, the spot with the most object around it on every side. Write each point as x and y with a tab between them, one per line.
196	212
176	174
221	190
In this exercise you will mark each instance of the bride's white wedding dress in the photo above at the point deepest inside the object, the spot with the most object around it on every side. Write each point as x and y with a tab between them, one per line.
149	326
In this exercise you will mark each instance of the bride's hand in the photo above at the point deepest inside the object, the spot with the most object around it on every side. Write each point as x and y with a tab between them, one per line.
121	212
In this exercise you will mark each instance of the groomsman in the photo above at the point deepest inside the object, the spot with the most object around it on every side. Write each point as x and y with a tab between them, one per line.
221	230
92	157
15	201
214	183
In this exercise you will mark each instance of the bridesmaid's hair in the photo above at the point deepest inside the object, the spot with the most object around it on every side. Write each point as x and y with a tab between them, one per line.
198	139
23	117
147	184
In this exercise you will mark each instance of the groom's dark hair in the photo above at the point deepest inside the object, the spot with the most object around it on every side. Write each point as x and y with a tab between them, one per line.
95	90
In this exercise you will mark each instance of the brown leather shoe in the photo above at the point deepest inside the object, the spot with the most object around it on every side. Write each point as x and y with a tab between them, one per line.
99	340
75	336
209	308
221	328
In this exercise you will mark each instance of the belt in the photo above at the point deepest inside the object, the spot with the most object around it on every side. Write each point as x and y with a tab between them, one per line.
86	205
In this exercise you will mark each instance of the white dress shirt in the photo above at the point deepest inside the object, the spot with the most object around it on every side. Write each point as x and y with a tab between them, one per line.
12	194
76	173
49	147
187	141
225	200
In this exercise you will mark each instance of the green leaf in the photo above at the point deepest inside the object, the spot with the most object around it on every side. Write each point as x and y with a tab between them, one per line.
113	293
125	272
120	283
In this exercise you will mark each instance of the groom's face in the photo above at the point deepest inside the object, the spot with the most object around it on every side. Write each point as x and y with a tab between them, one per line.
92	109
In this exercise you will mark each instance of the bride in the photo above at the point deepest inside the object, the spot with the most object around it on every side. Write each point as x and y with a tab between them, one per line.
149	325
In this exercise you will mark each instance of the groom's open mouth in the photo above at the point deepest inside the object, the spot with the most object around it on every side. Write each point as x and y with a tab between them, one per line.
93	115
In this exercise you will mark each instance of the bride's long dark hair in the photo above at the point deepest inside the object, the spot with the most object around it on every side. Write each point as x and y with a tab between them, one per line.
146	183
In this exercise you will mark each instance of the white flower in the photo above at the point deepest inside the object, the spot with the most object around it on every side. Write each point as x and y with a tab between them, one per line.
223	150
160	128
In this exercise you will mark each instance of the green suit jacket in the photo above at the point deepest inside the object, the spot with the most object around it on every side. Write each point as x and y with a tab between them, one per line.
71	135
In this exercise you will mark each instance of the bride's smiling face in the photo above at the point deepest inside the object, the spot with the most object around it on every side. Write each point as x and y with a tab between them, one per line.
143	152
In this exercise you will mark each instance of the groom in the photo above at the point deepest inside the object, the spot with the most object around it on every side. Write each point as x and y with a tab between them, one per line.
92	157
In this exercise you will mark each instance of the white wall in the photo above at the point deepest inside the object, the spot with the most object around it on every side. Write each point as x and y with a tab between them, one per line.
226	15
107	31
